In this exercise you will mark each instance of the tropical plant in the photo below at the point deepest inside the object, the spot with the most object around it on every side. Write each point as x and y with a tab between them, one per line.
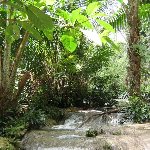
30	19
18	22
138	110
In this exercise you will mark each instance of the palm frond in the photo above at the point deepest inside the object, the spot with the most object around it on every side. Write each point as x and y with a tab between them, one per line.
119	19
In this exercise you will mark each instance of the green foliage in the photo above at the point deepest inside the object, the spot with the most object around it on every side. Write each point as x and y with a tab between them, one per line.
139	110
103	91
5	144
40	20
121	1
16	128
119	19
28	17
33	31
69	42
14	31
92	8
107	146
91	133
82	74
105	25
35	119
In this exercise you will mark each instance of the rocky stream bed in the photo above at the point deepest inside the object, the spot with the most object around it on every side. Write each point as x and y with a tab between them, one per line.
71	134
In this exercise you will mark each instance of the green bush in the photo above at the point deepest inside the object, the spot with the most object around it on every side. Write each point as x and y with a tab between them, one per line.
15	130
103	91
138	110
35	118
91	133
54	113
5	144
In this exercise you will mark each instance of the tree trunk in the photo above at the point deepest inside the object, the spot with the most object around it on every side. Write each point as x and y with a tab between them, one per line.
7	54
0	69
134	71
18	57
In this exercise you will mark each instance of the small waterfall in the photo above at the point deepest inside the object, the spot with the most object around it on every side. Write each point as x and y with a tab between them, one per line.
89	118
71	134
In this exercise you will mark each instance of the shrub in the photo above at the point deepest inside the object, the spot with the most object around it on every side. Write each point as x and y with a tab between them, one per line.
15	129
91	133
35	118
138	110
103	91
5	144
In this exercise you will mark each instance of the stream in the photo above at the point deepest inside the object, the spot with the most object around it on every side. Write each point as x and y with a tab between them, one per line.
71	134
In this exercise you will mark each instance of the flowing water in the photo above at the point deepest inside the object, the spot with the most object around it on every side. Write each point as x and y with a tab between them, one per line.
71	134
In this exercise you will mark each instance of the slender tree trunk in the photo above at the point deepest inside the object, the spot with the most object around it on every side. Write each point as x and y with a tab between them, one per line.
134	71
0	69
18	57
7	54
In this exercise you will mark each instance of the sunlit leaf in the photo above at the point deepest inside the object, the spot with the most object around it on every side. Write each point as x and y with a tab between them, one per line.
74	15
38	18
92	8
99	15
105	25
50	2
64	14
84	21
69	42
121	1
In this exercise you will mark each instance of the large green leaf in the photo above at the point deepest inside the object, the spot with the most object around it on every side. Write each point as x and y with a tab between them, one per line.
17	4
48	33
105	25
84	21
64	14
74	15
69	42
38	18
31	29
12	33
92	8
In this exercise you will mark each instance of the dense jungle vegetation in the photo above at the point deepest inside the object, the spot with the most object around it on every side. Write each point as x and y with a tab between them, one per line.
48	63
